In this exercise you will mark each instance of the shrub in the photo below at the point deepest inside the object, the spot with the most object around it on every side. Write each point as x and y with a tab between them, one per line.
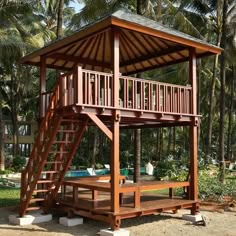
5	172
18	163
210	188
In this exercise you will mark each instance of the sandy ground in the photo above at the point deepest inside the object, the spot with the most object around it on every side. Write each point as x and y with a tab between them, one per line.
218	224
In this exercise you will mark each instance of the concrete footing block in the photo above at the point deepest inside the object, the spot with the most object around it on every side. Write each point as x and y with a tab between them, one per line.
30	219
70	221
192	218
109	232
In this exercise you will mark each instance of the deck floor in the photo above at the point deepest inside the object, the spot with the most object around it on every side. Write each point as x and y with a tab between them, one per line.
150	204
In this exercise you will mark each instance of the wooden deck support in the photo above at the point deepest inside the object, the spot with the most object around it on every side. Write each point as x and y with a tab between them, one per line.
115	143
193	129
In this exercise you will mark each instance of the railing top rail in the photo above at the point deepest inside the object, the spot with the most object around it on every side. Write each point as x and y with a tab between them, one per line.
48	92
71	72
97	72
157	82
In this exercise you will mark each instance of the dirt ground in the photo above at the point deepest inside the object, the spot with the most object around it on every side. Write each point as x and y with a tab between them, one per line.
219	223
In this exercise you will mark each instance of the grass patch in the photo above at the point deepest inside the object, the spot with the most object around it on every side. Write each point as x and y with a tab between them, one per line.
9	196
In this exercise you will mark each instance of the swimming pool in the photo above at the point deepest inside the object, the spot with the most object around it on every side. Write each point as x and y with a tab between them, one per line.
80	173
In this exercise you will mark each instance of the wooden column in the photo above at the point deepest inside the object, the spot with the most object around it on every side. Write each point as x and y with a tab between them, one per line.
115	143
42	87
193	130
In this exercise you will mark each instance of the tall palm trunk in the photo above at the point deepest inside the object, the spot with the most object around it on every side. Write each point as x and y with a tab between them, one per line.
231	104
222	95
60	18
137	150
158	13
211	106
2	159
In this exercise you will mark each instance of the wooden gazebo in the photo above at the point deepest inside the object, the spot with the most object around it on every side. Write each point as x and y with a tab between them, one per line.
96	88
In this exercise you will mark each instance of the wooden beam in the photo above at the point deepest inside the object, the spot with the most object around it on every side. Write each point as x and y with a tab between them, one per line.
86	61
193	132
115	143
157	66
164	52
101	125
153	125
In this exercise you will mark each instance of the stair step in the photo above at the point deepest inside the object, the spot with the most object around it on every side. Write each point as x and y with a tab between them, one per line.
49	172
41	191
71	120
54	162
33	208
45	181
67	131
37	200
55	142
54	152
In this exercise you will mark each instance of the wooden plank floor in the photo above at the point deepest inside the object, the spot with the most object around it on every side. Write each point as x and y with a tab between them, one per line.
150	204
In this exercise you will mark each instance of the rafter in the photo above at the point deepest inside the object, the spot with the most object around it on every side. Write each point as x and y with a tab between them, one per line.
75	59
166	52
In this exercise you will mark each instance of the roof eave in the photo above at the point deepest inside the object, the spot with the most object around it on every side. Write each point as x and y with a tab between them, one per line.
81	34
164	35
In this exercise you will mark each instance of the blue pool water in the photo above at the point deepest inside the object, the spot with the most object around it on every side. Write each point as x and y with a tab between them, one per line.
80	173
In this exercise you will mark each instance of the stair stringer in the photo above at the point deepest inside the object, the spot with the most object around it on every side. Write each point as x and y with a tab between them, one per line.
31	174
52	195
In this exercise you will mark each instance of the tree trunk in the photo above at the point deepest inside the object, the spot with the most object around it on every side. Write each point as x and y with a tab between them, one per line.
95	144
60	19
137	155
229	138
174	140
161	144
158	13
211	108
169	141
222	95
139	7
2	159
214	76
14	118
157	144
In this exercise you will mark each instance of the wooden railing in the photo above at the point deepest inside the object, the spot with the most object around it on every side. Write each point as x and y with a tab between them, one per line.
84	87
140	94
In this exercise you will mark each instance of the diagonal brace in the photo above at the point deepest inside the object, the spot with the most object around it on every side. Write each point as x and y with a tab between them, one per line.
101	125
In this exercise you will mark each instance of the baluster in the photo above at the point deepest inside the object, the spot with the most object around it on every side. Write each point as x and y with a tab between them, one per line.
86	87
158	97
108	91
150	96
105	90
133	95
79	87
142	95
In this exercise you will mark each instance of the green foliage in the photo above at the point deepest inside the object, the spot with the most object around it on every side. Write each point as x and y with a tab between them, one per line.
5	172
210	188
18	163
9	196
172	169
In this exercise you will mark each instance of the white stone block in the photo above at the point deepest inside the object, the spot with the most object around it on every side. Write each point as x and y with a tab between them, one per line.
29	219
109	232
192	218
70	221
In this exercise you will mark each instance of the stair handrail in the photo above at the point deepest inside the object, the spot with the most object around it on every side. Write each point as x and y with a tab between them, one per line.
52	104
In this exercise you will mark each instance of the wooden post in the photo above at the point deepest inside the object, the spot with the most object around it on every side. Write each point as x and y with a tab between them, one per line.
115	162
42	87
193	132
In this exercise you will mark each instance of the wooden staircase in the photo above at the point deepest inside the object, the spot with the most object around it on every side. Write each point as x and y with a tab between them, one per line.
53	151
